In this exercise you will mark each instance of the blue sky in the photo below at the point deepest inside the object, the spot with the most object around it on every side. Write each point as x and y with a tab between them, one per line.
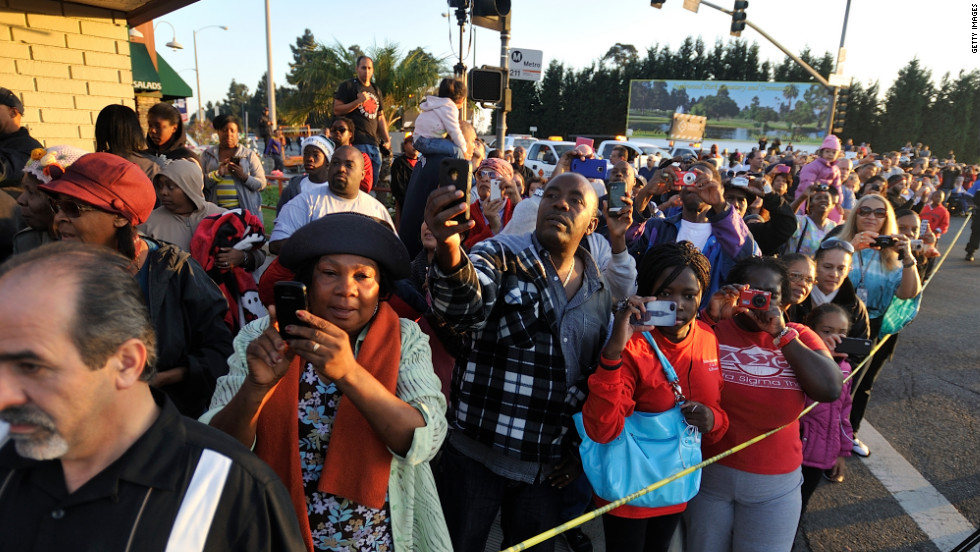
881	36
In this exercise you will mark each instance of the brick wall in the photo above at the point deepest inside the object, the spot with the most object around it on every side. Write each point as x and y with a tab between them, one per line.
66	62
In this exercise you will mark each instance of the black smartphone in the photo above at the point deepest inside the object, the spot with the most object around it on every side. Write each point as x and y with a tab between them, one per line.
290	297
854	346
617	190
456	173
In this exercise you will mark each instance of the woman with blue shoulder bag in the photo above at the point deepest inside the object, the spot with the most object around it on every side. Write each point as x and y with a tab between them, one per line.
632	393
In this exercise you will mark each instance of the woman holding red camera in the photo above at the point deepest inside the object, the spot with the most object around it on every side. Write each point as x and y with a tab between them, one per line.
751	499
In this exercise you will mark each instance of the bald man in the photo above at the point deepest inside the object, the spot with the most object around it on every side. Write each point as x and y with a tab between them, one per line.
536	311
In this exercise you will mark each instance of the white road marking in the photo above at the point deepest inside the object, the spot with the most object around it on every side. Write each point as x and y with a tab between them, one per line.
930	510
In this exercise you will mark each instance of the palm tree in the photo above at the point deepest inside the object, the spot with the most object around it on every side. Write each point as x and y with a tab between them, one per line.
790	92
402	80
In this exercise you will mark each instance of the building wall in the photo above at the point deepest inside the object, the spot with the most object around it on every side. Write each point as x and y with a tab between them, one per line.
66	62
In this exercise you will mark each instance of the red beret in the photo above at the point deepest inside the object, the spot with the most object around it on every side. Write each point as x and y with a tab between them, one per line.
109	183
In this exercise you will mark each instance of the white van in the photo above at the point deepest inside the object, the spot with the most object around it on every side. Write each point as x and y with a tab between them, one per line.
543	155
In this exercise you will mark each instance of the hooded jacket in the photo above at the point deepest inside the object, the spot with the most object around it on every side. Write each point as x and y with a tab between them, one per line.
439	118
177	140
249	197
168	226
818	169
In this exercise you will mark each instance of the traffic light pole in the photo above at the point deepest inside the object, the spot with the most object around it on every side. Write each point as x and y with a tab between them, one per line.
813	72
505	101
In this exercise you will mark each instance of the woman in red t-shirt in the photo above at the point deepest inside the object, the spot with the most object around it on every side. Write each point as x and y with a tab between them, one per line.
630	378
750	500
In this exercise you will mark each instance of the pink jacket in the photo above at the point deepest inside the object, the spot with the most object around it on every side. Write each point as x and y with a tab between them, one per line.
826	430
818	169
440	119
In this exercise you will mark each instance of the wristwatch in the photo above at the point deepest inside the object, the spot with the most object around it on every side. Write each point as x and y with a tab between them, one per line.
785	337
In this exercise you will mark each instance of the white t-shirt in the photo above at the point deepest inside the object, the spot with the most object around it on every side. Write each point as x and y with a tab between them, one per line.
319	201
694	232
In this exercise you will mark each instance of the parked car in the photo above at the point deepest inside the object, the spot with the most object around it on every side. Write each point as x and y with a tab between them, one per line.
639	151
543	155
511	141
681	151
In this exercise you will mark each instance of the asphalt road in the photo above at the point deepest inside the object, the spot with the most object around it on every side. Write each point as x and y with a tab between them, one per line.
925	404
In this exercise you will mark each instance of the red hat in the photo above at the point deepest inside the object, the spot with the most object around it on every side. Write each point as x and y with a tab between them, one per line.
109	183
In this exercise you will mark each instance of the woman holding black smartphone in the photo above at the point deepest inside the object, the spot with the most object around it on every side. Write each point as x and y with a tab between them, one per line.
233	173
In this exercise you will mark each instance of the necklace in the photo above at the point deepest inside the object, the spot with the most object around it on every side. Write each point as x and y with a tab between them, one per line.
568	276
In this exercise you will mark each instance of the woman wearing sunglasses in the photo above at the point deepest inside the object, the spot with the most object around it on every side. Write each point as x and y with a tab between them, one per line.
883	269
100	199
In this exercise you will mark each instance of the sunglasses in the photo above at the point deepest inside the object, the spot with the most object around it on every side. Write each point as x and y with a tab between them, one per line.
339	130
488	173
835	243
70	207
800	277
879	213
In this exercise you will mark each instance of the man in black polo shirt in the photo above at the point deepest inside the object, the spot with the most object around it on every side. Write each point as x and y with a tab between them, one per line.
360	100
94	459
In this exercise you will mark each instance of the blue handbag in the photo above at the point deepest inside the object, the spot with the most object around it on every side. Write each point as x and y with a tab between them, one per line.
651	447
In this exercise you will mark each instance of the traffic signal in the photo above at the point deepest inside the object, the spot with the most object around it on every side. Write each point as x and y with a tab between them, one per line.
657	3
492	14
840	111
738	17
486	84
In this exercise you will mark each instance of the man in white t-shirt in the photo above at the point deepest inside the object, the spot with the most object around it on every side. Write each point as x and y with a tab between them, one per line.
341	194
707	221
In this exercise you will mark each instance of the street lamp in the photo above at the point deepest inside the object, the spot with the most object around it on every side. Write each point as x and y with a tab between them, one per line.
173	44
197	72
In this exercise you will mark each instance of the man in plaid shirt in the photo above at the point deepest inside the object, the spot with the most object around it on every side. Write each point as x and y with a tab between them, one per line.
536	312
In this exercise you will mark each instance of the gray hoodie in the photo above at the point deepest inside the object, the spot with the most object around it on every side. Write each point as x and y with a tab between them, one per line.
168	226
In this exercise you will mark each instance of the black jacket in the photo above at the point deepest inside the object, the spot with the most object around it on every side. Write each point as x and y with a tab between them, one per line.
848	300
779	229
187	310
15	150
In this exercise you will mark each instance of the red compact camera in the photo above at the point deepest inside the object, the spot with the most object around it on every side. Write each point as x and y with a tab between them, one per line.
754	299
688	178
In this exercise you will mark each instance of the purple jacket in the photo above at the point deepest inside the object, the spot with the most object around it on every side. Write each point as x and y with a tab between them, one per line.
826	430
818	169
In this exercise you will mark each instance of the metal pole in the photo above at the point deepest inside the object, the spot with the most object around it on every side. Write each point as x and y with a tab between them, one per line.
270	84
840	49
843	33
502	108
197	74
813	72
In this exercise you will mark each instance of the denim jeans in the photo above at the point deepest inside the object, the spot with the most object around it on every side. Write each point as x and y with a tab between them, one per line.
472	495
438	146
375	155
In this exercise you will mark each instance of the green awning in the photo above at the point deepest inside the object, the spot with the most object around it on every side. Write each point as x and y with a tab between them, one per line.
145	76
173	85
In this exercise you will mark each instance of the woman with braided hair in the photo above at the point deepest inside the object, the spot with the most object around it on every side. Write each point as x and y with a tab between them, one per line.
630	378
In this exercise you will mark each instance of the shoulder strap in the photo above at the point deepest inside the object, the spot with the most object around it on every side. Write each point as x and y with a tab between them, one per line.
668	370
806	227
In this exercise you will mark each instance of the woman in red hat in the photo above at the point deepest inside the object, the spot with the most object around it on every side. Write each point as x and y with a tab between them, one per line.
100	199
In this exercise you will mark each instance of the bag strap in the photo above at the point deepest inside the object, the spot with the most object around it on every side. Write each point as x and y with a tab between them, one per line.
668	368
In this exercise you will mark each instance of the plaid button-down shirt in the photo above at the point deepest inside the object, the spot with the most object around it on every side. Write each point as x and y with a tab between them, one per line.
530	348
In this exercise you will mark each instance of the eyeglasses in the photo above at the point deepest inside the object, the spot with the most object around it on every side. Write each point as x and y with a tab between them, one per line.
800	277
70	207
488	173
879	213
836	243
339	130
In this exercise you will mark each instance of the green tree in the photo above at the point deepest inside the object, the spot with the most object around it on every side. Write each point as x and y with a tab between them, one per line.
620	54
402	80
236	101
905	108
790	93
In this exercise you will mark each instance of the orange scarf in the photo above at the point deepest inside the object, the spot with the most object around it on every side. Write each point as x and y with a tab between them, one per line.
357	464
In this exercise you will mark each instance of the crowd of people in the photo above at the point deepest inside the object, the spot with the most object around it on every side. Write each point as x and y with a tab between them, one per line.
425	385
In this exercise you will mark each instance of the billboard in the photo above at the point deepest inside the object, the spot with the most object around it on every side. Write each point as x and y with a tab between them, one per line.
736	110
